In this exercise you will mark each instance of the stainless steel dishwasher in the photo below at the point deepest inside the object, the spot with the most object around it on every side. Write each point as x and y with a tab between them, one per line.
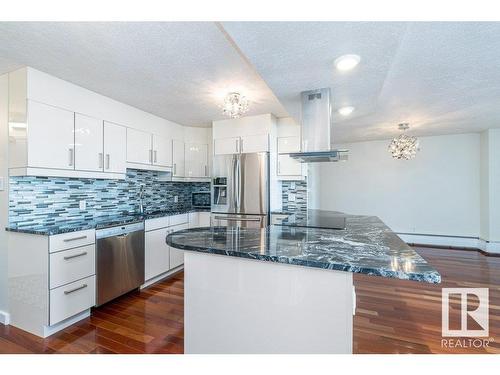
120	260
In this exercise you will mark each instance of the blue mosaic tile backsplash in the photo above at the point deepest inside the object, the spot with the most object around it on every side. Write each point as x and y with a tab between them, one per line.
49	200
299	207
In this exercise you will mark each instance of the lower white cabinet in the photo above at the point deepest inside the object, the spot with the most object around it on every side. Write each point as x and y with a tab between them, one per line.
69	265
71	299
156	257
176	255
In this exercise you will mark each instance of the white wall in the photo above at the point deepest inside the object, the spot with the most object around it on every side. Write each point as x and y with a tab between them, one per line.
4	197
438	192
490	185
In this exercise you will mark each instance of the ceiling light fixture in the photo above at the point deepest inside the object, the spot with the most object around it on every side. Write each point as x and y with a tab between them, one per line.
345	111
404	147
347	62
234	105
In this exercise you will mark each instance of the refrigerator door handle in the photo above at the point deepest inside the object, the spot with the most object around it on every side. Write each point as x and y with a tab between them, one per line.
239	183
235	183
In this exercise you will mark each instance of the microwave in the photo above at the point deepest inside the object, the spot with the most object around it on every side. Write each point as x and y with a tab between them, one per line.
200	199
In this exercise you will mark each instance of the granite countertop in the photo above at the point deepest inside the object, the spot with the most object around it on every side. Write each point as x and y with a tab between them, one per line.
366	246
98	222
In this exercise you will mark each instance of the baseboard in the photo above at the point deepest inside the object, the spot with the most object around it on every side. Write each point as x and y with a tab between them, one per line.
469	243
50	330
4	318
158	278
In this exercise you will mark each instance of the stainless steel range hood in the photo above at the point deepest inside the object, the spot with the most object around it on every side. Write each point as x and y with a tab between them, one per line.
316	131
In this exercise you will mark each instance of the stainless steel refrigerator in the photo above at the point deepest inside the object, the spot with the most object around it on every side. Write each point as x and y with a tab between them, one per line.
240	190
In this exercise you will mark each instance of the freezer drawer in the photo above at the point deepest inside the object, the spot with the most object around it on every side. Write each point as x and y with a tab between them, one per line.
244	221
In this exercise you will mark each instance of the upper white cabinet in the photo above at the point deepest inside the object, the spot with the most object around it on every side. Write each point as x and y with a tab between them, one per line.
178	158
224	146
244	144
288	168
89	134
50	142
196	160
115	148
254	143
139	148
162	151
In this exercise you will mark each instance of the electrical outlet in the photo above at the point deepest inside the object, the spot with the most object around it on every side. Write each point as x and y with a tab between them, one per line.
176	198
83	205
292	185
291	197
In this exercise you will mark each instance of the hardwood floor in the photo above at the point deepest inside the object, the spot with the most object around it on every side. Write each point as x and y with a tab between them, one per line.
393	316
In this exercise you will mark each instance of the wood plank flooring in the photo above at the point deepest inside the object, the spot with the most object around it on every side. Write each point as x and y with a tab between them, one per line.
393	316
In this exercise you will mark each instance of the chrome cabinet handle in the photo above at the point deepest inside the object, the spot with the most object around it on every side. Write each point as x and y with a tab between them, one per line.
74	238
108	157
155	156
75	256
237	145
101	160
235	218
150	156
76	289
175	168
71	157
279	167
206	170
241	145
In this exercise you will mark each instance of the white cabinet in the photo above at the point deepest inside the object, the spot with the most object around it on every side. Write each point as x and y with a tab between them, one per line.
88	143
115	148
176	255
139	148
243	144
162	151
224	146
178	158
204	219
254	143
50	137
157	253
196	160
288	168
288	144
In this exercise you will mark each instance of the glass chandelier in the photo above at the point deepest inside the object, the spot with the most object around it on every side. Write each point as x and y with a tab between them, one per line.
404	146
235	105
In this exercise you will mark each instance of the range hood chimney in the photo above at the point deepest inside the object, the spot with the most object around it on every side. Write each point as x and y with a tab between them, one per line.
316	130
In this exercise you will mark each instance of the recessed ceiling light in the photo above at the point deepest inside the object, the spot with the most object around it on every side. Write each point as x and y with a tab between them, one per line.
347	62
346	111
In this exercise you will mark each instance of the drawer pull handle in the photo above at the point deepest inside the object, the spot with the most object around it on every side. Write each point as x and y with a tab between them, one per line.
76	289
234	218
74	238
75	256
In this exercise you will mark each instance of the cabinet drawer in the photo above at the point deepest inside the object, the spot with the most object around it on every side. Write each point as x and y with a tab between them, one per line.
70	265
71	299
70	240
179	219
157	223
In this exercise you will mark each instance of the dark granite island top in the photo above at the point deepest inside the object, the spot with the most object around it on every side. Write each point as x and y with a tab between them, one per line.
366	246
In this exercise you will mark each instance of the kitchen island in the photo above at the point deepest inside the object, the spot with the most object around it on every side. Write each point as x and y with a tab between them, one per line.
285	288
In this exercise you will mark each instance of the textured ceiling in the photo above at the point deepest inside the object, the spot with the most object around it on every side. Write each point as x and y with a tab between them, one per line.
440	77
178	71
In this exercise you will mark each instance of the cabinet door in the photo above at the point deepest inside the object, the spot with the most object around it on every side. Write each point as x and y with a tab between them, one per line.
204	219
224	146
288	144
254	143
196	160
139	147
88	143
176	255
194	219
288	166
162	151
156	253
51	137
178	158
115	148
